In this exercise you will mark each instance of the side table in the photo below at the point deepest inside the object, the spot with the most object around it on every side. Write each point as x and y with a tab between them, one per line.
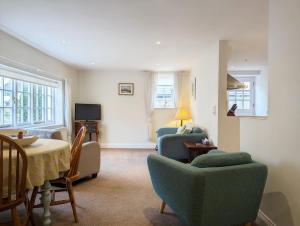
196	149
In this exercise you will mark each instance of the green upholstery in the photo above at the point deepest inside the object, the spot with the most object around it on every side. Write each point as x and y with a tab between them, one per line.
222	159
214	196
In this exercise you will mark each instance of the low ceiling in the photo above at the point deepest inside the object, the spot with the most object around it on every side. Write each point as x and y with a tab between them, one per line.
123	34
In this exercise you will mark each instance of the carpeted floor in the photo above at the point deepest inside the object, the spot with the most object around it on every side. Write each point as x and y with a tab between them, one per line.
121	195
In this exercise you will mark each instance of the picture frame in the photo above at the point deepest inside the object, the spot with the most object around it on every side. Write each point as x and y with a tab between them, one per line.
126	89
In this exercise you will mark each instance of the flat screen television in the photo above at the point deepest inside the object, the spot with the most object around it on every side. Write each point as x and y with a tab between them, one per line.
87	112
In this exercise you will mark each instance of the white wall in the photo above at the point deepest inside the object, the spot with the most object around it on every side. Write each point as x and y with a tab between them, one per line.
275	141
228	127
205	107
210	107
124	121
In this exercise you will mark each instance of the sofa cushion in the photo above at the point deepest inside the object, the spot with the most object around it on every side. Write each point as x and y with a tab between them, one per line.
221	159
197	130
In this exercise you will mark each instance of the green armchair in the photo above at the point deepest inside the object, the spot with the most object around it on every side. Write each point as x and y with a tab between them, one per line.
225	195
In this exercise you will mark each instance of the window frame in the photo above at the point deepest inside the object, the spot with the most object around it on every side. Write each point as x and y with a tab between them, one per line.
251	110
156	105
15	107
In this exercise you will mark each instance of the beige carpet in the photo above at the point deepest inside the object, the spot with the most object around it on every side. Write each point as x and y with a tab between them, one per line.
121	195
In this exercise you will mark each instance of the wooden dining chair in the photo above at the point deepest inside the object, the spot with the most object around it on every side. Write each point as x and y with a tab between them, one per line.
67	179
13	171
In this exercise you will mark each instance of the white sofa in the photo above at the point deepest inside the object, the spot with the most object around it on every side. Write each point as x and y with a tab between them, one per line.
89	164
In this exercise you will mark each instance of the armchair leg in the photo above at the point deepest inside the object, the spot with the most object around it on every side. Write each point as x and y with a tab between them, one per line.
162	206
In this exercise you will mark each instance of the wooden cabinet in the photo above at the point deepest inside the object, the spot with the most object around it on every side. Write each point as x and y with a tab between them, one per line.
92	128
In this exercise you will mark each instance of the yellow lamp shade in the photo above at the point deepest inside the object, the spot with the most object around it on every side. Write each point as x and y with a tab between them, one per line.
183	114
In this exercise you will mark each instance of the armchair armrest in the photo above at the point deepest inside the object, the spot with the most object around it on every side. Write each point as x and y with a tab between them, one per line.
89	163
180	185
167	130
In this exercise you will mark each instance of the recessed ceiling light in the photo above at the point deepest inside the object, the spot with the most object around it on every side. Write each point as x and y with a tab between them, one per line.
157	42
92	63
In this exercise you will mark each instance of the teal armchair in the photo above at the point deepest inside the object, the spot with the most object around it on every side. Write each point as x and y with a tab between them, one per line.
211	196
171	145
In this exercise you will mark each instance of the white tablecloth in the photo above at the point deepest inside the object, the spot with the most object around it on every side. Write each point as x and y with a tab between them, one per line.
46	159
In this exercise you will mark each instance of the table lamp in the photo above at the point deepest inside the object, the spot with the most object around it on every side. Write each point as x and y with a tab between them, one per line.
183	114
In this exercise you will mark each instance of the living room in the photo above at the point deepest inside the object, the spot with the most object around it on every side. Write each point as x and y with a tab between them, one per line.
221	74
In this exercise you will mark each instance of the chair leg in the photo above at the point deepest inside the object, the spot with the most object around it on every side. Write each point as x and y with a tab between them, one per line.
72	199
15	217
162	206
31	205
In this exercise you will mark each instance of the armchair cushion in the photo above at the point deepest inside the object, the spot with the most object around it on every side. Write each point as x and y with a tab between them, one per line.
222	159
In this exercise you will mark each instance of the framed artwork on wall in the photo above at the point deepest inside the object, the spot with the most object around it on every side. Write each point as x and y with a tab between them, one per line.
126	89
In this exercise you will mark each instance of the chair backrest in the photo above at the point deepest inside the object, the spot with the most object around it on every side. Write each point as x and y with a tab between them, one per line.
76	152
13	171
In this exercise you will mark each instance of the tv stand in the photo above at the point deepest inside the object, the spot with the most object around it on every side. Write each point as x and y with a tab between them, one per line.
91	126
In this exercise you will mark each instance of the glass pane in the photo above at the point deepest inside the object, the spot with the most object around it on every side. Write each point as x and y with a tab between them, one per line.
1	82
7	116
26	87
49	101
7	98
26	100
230	104
40	115
49	114
239	104
247	105
19	116
26	118
1	98
19	86
7	83
40	90
19	99
49	90
1	116
40	101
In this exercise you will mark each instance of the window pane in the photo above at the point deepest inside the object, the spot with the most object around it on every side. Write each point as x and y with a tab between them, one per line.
1	98
7	98
40	115
19	99
49	101
1	116
239	104
7	84
19	116
1	82
247	105
26	100
49	115
26	87
26	118
19	86
7	116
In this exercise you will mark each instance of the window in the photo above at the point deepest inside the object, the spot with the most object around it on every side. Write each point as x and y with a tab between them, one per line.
28	101
244	98
164	91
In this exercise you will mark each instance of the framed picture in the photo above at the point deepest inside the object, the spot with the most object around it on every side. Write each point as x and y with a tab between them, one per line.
126	89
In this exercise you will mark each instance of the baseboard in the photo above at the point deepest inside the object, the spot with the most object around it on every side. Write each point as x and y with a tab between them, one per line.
128	145
263	217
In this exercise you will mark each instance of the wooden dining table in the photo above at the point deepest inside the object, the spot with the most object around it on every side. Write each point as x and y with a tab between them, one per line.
47	158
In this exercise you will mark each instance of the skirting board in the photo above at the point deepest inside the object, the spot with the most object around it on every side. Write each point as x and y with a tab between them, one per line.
263	217
126	145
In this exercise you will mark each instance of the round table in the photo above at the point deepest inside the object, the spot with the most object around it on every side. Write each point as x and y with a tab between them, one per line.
47	158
